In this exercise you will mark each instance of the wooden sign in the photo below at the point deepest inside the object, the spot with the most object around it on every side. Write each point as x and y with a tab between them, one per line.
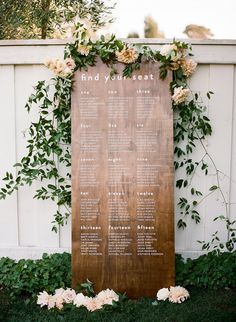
122	180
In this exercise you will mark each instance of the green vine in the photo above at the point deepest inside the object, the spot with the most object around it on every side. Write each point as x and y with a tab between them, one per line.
49	138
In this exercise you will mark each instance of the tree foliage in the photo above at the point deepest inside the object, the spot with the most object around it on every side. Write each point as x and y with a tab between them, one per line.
40	18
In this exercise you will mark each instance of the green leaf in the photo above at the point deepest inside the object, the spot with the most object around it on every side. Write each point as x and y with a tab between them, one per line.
212	188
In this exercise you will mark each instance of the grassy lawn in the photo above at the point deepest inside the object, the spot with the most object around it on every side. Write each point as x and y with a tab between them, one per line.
203	306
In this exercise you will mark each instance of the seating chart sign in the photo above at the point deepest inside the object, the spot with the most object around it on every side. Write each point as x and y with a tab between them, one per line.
122	180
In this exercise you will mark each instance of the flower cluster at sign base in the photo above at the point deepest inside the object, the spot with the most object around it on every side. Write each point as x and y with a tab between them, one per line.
64	296
175	294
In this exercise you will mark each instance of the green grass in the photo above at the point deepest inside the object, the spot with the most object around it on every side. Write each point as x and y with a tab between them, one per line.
203	306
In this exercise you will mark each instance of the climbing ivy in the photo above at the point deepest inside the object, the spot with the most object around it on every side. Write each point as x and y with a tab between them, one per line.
49	138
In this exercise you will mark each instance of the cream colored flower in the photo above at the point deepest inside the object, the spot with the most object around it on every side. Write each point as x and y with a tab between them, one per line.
49	63
163	294
83	49
107	296
62	68
68	295
92	304
180	95
127	55
43	298
166	50
80	300
188	66
175	65
178	294
51	301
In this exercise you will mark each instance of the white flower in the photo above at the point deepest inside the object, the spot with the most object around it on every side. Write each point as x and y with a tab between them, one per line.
80	300
178	294
43	298
166	50
69	295
107	296
163	294
188	66
180	95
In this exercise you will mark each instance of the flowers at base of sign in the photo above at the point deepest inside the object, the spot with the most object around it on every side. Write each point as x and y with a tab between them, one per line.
175	294
68	296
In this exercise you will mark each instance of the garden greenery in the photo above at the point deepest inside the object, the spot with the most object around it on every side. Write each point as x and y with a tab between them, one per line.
49	138
213	270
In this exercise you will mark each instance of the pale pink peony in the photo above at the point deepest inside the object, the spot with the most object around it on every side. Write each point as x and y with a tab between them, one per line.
69	295
188	66
51	302
178	294
127	55
43	298
107	296
180	95
163	294
92	304
59	301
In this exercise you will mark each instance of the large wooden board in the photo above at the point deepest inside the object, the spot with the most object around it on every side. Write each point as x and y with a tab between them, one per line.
122	180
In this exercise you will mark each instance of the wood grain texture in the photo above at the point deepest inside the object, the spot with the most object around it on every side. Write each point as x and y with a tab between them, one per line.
122	181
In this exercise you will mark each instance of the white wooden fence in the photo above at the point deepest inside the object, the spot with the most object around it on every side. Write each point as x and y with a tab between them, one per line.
25	223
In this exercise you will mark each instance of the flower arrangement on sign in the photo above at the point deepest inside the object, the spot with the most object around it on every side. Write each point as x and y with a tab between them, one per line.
50	137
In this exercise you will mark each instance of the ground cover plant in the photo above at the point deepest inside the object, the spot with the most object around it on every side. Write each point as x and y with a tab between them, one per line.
203	306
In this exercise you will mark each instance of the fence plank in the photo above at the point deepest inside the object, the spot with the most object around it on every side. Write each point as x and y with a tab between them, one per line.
35	216
8	207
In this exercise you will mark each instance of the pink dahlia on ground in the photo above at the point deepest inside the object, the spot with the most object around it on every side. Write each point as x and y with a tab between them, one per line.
178	294
107	296
43	298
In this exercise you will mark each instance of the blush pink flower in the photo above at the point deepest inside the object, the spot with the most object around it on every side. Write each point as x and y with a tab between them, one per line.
178	294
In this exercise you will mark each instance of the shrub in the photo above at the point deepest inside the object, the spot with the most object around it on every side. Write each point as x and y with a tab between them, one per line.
213	270
32	276
29	277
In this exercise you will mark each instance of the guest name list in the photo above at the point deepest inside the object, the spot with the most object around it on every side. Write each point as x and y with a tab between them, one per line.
122	180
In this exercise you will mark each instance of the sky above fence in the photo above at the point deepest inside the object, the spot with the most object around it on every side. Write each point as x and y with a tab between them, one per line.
173	16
